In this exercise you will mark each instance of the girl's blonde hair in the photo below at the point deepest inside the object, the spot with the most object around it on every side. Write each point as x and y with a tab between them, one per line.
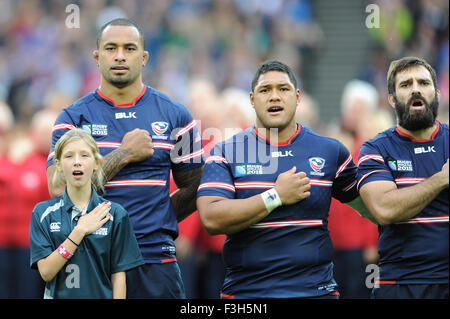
98	176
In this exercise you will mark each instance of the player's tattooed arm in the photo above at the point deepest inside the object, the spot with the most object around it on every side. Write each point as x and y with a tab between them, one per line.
184	199
136	146
114	162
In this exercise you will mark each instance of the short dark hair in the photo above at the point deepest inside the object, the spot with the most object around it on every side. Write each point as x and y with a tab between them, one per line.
121	22
273	66
403	64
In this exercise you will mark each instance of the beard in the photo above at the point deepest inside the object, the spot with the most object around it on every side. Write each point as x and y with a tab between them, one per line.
119	81
419	120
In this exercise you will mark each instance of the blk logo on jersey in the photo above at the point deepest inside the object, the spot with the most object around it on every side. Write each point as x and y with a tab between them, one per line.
421	150
282	154
160	127
125	115
317	163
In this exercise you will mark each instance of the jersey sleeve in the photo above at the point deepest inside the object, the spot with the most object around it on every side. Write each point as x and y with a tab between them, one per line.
40	242
188	152
217	179
62	124
125	252
371	166
344	184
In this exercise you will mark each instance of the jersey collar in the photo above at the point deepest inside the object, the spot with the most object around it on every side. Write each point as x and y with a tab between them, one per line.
69	206
420	141
299	128
122	105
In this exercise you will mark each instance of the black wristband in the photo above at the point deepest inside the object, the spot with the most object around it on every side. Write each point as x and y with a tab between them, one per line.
73	241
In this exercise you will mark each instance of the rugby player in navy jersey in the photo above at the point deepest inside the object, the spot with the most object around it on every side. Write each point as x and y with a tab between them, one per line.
269	189
403	179
143	136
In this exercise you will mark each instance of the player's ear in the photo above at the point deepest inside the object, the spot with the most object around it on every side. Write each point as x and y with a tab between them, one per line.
252	99
391	100
145	57
95	55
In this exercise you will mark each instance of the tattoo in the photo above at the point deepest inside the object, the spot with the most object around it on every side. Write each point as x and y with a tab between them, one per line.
113	162
184	200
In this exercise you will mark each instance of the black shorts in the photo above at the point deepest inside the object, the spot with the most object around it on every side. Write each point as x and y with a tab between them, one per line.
155	281
411	291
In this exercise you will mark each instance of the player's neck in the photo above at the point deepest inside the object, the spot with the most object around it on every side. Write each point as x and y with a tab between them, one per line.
123	95
419	135
278	135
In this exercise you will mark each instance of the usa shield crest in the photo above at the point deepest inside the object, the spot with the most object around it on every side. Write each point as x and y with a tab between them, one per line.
160	127
316	163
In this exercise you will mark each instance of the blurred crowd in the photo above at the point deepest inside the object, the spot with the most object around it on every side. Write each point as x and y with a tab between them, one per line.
203	53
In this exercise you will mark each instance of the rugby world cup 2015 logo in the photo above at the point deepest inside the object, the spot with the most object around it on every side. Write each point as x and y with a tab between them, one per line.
160	127
317	163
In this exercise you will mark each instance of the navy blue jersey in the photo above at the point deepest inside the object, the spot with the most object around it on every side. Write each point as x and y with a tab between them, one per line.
142	188
288	253
415	250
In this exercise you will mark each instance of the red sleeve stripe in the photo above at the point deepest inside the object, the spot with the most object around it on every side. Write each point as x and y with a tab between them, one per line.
216	158
365	175
190	156
163	145
187	128
268	185
168	260
343	166
289	223
221	185
320	182
408	180
254	184
349	187
136	182
426	220
367	157
158	145
385	282
63	126
103	144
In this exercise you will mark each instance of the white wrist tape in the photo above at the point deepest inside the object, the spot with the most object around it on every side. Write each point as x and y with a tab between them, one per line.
271	199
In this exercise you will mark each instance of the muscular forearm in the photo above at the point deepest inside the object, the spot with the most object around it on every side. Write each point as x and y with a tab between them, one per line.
228	216
184	199
358	205
400	204
184	202
113	162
